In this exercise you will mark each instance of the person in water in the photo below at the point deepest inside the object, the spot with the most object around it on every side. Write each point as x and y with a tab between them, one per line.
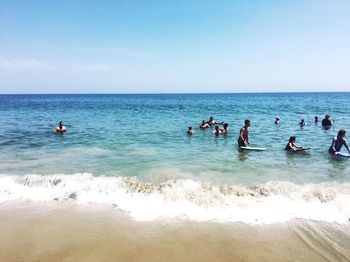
243	139
316	119
326	122
204	125
292	147
224	128
212	122
338	142
61	129
190	131
217	131
302	123
277	121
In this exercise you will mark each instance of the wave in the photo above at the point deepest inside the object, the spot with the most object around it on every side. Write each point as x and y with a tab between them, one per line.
275	201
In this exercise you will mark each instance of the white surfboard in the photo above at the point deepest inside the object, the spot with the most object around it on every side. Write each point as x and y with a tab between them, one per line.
252	148
342	154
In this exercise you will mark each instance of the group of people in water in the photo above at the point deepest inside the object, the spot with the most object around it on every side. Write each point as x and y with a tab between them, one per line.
243	139
326	122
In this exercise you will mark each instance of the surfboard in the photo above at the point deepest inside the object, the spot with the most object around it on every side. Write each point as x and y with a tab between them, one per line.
342	154
252	148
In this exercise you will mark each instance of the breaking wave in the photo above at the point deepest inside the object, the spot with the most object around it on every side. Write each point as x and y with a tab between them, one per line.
275	201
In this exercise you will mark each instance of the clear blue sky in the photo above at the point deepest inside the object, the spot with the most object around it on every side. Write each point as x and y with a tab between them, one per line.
174	46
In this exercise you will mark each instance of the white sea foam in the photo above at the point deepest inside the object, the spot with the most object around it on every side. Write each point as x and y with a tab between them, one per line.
272	202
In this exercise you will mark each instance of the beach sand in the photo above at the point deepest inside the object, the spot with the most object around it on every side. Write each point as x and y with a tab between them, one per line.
69	232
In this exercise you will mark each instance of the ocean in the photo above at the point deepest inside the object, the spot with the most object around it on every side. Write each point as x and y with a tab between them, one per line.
130	152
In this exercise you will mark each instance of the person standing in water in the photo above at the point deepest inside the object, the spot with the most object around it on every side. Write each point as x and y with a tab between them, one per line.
277	120
338	142
217	131
302	123
61	129
326	122
224	129
190	131
243	139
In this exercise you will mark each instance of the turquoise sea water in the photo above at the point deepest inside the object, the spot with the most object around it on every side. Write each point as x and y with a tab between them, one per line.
139	135
117	145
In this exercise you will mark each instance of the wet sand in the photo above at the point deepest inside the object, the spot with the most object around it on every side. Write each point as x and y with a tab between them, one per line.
68	232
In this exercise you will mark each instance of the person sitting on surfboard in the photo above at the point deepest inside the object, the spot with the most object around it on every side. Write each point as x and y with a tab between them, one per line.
61	129
243	139
204	125
292	147
338	142
224	129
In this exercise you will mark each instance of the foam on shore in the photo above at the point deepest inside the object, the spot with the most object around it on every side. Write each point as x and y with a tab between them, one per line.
268	203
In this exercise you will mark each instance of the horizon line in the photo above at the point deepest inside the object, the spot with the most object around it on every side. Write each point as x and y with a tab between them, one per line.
179	93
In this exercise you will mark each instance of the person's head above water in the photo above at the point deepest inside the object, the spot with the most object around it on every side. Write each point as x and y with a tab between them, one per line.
327	116
61	123
225	125
341	133
247	122
292	139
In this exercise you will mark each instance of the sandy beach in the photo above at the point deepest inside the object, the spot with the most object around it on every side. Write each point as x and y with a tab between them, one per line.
66	232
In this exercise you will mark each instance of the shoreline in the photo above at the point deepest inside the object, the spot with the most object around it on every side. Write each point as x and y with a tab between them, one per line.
68	232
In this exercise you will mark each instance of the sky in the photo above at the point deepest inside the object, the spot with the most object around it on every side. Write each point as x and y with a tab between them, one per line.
182	46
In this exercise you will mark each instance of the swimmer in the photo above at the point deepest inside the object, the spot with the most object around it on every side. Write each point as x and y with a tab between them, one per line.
211	121
61	129
338	142
204	125
292	147
190	131
224	129
277	120
243	139
302	123
316	119
326	122
217	131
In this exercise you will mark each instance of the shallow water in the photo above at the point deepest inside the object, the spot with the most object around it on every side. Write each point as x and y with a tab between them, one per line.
144	136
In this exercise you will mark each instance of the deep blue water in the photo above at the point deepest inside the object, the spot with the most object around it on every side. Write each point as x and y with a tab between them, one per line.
145	136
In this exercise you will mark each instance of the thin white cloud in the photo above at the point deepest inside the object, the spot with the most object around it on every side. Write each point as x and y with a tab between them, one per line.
24	64
30	64
93	67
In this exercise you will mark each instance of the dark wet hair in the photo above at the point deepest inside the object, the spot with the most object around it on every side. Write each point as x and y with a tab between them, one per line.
217	128
292	138
190	128
341	133
60	123
246	121
225	125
